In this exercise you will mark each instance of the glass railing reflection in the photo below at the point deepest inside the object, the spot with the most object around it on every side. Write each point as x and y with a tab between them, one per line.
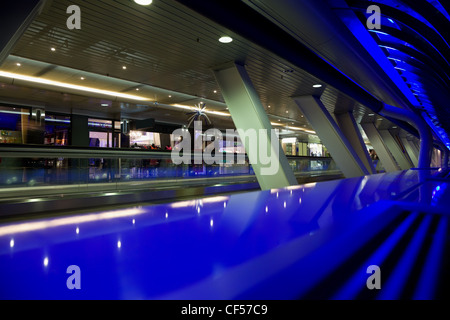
50	169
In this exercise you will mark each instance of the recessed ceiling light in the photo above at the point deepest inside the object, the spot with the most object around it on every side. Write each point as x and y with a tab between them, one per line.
268	106
137	89
317	86
124	67
226	39
215	91
82	78
144	2
287	111
279	120
105	105
379	119
394	127
170	96
371	114
18	64
53	49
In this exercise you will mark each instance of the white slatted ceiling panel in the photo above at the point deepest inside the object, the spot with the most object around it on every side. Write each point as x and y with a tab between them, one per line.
167	46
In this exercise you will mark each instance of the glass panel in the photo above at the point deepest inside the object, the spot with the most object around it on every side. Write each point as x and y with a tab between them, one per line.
76	172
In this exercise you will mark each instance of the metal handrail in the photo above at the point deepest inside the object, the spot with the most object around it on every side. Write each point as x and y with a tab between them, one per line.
39	151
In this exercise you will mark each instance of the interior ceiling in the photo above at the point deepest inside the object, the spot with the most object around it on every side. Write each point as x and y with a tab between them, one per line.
168	50
414	38
404	64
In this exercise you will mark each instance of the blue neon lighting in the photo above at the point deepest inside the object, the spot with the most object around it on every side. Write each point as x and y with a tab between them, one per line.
376	31
360	32
57	120
390	20
398	60
390	48
439	6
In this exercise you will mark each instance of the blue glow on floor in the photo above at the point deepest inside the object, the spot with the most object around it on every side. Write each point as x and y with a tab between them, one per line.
358	281
275	244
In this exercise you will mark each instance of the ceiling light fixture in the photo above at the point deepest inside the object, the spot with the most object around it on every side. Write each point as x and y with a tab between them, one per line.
124	67
317	86
144	2
17	76
53	49
226	39
218	113
18	64
82	78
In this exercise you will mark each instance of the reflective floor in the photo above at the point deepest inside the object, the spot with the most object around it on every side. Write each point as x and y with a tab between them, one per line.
309	241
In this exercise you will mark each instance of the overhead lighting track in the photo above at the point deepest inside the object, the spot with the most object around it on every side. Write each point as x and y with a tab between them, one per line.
66	85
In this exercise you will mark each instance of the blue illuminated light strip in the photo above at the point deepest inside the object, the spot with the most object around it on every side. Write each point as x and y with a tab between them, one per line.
439	131
57	120
397	279
379	32
358	281
439	6
390	48
397	60
359	31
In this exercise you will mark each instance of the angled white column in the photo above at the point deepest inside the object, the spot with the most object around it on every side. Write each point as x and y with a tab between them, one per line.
395	150
350	129
412	151
436	158
380	147
329	133
249	116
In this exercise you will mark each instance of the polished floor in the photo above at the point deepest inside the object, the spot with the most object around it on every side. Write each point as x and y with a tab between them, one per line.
310	241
